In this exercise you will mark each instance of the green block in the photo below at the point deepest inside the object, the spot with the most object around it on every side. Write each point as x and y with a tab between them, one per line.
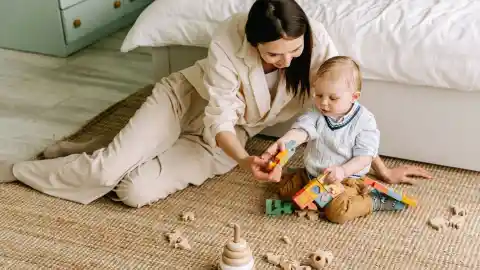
278	207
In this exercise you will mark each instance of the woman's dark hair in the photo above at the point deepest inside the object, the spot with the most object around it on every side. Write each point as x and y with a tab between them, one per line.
270	20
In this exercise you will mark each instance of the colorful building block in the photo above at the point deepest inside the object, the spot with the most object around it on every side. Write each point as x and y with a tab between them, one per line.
278	207
283	157
392	193
317	192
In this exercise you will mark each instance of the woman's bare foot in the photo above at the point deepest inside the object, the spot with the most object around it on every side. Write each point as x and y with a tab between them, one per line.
6	172
65	148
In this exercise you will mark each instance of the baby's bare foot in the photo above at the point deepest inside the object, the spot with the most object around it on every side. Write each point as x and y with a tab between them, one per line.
6	172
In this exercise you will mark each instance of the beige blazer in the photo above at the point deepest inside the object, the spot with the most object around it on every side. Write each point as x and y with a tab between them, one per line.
233	80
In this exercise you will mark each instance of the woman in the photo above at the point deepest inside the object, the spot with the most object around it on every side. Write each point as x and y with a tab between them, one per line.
256	75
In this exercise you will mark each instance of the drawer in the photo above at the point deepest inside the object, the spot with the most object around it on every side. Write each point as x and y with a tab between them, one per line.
64	4
88	16
131	5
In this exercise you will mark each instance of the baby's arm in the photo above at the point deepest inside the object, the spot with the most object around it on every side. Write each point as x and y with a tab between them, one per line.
339	173
303	130
364	150
297	135
366	146
356	164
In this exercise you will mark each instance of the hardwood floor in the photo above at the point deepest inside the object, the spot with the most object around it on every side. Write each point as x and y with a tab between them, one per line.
44	98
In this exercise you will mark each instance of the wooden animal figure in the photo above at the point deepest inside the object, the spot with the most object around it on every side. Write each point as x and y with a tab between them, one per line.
278	207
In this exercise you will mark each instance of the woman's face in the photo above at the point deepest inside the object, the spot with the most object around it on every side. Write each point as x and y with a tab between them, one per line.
280	52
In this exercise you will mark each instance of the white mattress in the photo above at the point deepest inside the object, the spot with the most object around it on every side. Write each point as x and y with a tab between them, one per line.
421	42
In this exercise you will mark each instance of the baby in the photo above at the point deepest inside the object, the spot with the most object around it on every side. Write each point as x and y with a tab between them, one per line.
342	138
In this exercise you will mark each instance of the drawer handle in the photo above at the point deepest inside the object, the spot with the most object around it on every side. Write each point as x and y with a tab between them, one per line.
117	4
77	23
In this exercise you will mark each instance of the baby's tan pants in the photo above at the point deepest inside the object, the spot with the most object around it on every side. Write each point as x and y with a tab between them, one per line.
158	152
351	204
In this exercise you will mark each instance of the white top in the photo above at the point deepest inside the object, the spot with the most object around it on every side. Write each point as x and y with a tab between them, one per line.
272	80
334	143
232	79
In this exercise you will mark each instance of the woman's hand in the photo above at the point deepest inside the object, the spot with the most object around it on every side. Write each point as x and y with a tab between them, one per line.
258	167
404	174
273	150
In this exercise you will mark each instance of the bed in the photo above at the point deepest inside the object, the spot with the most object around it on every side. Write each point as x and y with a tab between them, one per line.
420	64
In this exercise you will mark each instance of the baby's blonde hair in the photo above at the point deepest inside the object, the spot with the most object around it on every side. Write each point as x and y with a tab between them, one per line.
342	67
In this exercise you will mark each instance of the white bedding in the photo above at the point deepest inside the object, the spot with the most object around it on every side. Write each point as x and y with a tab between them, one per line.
423	42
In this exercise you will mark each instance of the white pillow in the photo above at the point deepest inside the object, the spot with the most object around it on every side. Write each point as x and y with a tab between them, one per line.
181	22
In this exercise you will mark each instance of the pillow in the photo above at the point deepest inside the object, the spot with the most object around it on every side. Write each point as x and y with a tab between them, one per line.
181	22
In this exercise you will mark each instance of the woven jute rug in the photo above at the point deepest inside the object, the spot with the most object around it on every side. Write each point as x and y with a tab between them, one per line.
41	232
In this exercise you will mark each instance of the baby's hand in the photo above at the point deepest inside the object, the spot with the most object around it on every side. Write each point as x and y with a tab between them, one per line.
335	174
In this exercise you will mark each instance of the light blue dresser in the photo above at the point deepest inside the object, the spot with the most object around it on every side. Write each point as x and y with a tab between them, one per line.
62	27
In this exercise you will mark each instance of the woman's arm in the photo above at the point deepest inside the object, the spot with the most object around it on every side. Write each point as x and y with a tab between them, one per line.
224	109
234	149
355	165
231	145
380	168
222	84
402	174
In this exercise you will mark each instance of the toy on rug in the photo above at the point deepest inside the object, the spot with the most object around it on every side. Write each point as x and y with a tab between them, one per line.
285	264
293	265
317	192
283	157
390	192
236	254
320	258
177	240
278	207
308	214
438	223
458	211
188	216
457	220
273	258
286	240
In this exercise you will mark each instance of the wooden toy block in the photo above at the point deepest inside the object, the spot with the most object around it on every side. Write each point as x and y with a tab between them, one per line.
283	157
278	207
392	193
312	206
317	192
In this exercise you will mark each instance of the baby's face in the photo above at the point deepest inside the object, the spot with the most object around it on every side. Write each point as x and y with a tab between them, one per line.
333	97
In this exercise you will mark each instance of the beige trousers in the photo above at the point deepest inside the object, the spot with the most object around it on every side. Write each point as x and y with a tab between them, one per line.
159	152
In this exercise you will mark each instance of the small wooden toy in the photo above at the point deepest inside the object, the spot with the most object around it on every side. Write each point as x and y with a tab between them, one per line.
320	258
278	207
273	258
317	192
457	221
283	157
236	254
390	192
458	211
177	240
438	223
188	216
